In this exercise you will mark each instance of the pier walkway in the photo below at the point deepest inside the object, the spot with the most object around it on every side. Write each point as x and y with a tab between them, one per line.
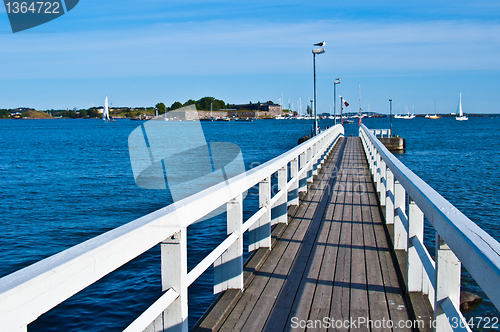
331	263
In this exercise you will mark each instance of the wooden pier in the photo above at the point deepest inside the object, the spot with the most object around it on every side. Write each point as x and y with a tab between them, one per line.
333	261
339	246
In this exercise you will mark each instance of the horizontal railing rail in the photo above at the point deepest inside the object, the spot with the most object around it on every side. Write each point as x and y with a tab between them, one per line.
407	199
34	290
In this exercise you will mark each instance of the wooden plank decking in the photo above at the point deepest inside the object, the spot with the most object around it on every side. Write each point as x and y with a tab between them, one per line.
332	260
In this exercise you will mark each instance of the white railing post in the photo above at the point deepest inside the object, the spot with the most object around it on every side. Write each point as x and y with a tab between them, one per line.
228	268
428	288
414	264
328	146
260	232
174	275
372	157
368	152
319	160
309	158
367	148
448	269
363	135
382	182
280	210
303	176
315	159
376	174
293	196
389	197
400	236
324	141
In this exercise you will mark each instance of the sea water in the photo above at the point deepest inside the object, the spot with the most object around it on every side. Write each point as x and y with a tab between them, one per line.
65	181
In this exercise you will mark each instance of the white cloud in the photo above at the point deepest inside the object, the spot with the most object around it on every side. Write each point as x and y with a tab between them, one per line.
232	47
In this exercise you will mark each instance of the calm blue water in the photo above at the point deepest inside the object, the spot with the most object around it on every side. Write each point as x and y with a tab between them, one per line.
65	181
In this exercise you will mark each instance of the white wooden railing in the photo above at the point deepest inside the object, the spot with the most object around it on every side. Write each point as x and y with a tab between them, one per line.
407	199
32	291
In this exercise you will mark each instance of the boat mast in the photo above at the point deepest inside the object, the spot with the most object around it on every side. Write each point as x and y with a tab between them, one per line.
359	111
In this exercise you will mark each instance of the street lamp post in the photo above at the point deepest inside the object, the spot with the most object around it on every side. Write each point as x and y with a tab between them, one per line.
337	81
314	52
390	115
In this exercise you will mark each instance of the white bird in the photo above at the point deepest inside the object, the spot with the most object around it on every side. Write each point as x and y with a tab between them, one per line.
321	44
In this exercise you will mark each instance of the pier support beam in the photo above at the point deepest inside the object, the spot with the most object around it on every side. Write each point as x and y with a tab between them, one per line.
174	275
414	264
260	232
319	160
314	158
400	234
279	212
448	269
309	158
228	268
372	157
382	182
389	197
293	195
303	176
376	171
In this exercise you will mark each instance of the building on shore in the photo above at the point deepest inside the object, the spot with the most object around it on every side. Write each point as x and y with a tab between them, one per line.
269	107
258	110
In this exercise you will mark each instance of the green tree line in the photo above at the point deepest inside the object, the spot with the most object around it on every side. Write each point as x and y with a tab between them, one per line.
202	104
4	114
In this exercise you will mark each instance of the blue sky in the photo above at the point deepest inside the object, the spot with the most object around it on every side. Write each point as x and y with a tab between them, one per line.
145	51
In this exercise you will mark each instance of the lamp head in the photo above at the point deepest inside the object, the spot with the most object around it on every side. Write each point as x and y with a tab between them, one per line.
318	50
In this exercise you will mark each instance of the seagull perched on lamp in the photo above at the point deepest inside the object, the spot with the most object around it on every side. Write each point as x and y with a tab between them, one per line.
321	44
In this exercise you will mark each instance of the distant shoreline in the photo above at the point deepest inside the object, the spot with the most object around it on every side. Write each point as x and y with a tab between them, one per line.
471	115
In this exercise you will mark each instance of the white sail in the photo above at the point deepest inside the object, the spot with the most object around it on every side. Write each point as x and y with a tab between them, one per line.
461	116
460	113
105	111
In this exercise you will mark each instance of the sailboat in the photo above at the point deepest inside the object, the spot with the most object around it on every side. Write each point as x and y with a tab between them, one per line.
398	116
408	116
105	111
435	116
461	116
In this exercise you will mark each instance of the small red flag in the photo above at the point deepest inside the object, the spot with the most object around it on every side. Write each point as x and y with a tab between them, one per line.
346	103
359	121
